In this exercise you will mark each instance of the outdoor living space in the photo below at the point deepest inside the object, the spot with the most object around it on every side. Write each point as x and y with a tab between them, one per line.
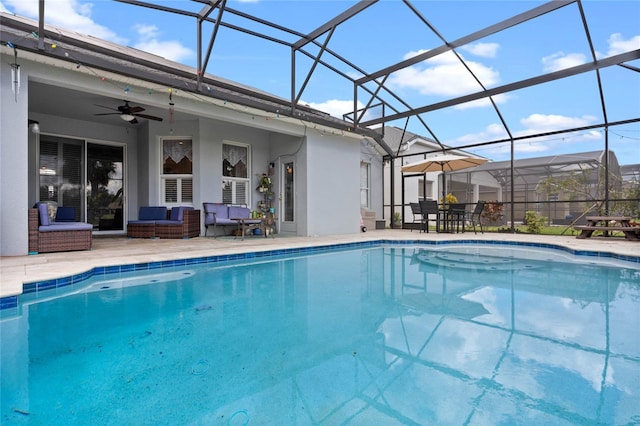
111	251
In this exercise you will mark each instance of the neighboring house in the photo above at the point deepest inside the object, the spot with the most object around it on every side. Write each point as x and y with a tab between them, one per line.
413	187
83	94
560	187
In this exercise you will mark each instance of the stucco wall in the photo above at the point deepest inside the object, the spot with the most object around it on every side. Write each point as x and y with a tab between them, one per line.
333	173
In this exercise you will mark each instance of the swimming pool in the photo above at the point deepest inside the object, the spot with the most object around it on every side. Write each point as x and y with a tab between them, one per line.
382	334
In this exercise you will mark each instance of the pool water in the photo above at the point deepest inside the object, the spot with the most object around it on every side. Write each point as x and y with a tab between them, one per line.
468	334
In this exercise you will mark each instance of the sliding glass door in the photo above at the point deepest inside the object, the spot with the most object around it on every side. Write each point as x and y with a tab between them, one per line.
86	176
61	173
105	186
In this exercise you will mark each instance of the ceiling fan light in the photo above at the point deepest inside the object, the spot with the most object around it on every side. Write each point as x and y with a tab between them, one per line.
127	117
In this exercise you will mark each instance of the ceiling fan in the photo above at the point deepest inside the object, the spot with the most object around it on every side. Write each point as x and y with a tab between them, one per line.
128	113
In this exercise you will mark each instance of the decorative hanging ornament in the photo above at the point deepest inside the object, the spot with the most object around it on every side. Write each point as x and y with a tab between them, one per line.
15	73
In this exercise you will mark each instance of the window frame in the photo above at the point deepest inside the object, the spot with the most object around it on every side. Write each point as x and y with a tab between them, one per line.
234	180
180	178
365	186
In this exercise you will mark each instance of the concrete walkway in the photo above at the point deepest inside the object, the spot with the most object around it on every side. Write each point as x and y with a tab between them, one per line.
108	251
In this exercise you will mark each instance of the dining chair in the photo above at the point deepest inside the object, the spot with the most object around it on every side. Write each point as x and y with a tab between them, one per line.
429	209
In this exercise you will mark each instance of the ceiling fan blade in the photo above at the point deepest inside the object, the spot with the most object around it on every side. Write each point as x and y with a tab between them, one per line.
136	109
102	106
109	113
148	117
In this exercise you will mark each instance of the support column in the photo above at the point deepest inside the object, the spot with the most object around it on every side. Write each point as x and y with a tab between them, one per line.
14	130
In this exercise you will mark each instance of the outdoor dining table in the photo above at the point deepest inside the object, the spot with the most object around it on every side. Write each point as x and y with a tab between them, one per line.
451	214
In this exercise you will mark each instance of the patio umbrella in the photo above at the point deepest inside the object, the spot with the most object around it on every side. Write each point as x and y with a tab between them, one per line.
443	163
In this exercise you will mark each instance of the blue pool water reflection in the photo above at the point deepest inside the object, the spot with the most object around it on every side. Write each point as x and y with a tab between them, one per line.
382	335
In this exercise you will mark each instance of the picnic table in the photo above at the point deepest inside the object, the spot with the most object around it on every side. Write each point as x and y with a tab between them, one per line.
608	224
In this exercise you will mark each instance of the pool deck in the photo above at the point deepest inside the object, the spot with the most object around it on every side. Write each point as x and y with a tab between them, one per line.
109	251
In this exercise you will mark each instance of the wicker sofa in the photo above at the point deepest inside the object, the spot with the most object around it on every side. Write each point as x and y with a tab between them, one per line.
159	222
182	222
46	236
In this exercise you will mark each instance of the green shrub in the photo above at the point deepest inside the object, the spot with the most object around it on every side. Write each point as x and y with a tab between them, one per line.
535	222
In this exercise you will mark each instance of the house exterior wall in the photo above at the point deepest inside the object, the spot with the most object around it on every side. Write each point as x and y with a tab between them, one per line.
327	162
333	172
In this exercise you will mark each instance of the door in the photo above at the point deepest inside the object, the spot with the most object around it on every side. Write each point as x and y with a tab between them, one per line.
105	187
86	176
288	211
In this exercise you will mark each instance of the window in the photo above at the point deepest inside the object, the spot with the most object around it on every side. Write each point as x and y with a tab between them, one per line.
177	171
235	174
425	188
364	184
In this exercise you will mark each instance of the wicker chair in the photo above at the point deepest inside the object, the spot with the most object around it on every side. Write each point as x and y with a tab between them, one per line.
145	225
183	222
47	238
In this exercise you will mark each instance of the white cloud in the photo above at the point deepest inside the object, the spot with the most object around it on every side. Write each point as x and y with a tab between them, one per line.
76	16
491	132
485	50
443	75
149	42
531	125
560	60
540	123
68	14
619	45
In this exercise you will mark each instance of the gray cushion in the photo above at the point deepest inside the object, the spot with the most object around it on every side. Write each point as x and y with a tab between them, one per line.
226	221
43	210
66	226
168	222
239	212
216	213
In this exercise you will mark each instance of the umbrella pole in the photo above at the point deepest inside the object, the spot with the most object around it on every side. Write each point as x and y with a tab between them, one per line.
444	191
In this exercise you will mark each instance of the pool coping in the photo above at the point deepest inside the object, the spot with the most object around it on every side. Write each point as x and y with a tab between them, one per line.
9	302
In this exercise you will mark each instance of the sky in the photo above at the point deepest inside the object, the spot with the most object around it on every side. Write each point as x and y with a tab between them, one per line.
389	32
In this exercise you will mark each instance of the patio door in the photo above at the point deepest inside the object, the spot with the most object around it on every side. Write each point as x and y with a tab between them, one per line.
288	211
86	176
105	187
61	171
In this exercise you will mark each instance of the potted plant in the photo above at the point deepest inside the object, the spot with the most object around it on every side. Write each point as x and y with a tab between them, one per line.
448	200
493	212
397	220
264	183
